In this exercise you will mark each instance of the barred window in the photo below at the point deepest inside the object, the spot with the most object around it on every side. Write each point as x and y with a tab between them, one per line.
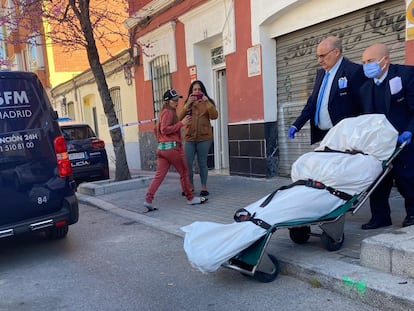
161	81
116	100
71	110
3	49
217	56
34	53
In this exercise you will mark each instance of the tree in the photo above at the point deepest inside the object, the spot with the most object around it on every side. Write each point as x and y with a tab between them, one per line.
74	25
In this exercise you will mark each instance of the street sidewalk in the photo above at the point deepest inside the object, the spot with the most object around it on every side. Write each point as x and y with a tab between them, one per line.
340	270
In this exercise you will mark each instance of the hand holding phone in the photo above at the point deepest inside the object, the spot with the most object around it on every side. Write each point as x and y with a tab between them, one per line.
198	96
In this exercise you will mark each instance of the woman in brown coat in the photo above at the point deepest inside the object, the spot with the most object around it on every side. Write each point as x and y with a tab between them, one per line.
198	134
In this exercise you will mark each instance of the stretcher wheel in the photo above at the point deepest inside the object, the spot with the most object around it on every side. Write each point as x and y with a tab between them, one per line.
300	235
330	244
268	277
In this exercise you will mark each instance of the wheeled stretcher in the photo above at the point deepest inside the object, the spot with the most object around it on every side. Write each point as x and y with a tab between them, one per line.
256	262
335	179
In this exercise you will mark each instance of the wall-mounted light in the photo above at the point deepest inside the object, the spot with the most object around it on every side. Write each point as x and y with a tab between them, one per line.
128	73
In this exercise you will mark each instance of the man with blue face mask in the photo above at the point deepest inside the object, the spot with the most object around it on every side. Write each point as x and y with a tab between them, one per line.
390	91
335	92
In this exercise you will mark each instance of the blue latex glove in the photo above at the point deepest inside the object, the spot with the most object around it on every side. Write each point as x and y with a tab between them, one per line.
292	131
405	136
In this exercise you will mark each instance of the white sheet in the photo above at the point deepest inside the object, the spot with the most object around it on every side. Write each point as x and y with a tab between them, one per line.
370	133
209	244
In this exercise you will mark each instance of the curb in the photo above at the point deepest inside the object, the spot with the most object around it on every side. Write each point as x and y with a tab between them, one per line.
110	186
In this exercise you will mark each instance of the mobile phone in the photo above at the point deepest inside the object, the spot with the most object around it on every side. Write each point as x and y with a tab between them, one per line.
198	96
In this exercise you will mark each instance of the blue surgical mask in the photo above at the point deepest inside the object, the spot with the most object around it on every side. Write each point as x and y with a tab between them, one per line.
373	70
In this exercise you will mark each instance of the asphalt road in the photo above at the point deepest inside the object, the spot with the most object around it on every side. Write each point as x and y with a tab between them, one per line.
111	263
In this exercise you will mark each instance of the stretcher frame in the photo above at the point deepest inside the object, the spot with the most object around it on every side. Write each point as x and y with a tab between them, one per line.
255	262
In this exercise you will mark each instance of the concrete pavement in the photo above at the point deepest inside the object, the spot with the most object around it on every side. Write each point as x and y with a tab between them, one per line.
378	273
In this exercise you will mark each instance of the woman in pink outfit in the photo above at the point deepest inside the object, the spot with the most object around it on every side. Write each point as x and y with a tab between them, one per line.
170	151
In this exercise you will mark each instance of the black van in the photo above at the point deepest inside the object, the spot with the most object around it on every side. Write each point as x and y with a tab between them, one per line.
37	190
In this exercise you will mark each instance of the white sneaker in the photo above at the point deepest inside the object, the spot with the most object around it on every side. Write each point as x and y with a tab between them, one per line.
197	200
150	207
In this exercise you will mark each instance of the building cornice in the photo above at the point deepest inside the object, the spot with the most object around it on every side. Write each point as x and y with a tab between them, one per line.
144	14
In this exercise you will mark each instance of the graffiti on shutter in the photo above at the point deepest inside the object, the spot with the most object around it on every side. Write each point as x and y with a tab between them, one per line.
296	63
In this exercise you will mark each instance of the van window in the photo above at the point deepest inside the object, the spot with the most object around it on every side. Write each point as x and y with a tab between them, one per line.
22	117
20	105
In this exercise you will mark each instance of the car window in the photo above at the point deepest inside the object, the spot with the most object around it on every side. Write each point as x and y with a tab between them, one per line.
77	132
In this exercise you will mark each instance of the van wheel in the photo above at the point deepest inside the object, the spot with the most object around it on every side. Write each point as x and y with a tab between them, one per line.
58	232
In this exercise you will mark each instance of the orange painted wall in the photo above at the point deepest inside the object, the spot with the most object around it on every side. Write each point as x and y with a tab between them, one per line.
409	52
144	99
76	60
181	78
69	62
245	95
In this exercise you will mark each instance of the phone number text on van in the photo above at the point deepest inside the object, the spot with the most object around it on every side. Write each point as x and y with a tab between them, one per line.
18	142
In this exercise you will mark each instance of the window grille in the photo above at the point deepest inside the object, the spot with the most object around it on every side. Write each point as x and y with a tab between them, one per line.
217	57
2	46
71	110
161	81
34	52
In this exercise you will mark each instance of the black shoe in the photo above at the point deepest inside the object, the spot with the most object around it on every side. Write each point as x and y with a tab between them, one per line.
204	193
377	224
408	221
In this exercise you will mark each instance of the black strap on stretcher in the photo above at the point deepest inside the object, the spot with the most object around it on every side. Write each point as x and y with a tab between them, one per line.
309	183
244	215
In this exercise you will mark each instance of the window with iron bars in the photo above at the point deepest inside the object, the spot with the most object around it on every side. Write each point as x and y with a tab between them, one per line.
70	110
116	100
217	56
161	81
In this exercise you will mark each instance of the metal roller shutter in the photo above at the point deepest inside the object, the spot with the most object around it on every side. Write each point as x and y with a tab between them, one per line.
297	64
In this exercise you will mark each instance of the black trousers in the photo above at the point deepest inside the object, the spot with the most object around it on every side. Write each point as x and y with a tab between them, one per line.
379	200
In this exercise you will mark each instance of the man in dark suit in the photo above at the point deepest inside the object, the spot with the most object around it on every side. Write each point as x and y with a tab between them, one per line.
390	91
335	92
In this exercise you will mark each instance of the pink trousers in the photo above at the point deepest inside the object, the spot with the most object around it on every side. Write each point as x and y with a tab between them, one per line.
166	158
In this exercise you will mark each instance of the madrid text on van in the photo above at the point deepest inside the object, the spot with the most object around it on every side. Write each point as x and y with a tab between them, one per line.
15	114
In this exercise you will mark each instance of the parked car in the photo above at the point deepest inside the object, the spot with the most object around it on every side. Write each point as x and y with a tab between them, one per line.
87	152
36	185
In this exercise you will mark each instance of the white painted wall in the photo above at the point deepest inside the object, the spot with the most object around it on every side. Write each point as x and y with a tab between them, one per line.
158	42
215	18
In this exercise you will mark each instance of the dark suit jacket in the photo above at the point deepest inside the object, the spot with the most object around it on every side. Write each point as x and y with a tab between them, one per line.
400	110
342	103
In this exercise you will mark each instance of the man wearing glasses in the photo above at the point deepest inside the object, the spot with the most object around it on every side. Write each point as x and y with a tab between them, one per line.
335	92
